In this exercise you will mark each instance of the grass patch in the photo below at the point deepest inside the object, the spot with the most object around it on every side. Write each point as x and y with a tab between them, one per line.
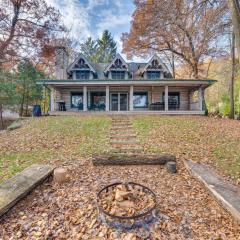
211	141
52	139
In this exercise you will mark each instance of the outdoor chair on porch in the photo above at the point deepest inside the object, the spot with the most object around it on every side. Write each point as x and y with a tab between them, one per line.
157	106
61	106
80	106
92	107
97	107
101	107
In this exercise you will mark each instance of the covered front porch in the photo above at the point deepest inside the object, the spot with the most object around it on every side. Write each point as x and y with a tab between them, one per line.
163	96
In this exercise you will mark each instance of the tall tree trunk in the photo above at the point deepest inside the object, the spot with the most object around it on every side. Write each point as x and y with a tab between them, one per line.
1	117
45	99
4	45
26	109
173	65
232	110
235	10
22	105
195	70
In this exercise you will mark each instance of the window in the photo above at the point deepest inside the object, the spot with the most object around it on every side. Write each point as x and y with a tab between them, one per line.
77	100
173	100
140	99
82	74
118	75
98	99
153	74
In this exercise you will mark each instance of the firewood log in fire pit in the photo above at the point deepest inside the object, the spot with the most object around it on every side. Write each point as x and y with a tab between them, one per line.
128	200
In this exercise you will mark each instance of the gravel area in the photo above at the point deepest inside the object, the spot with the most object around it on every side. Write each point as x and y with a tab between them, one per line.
68	211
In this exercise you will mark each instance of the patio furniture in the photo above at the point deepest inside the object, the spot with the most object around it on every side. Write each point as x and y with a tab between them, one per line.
102	107
80	106
157	106
61	106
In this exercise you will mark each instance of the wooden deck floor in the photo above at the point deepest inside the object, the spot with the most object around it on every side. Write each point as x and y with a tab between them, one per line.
146	112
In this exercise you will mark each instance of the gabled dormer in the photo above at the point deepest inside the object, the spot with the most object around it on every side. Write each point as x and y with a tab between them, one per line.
81	69
155	69
117	69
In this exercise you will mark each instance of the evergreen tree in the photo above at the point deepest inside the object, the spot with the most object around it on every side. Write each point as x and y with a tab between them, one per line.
29	93
8	95
89	49
107	47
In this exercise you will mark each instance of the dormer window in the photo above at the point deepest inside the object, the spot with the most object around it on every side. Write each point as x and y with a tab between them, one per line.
117	69
82	74
81	68
118	75
155	69
153	74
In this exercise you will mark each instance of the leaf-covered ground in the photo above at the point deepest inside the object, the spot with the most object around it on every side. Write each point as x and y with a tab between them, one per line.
186	211
68	211
55	140
207	140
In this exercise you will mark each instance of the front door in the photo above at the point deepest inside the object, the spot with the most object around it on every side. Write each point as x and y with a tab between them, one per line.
119	102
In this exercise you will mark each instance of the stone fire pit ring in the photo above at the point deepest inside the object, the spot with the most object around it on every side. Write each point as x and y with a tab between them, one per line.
136	220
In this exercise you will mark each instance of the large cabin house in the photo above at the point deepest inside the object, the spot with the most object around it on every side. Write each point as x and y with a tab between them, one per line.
122	86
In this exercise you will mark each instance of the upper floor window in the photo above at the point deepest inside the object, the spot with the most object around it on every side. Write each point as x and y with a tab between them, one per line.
153	74
118	75
82	74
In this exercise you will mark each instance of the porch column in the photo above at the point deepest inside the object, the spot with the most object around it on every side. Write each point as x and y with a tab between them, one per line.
200	98
107	98
166	98
52	104
131	99
85	98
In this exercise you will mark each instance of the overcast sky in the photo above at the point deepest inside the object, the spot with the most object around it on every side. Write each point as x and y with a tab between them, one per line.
90	17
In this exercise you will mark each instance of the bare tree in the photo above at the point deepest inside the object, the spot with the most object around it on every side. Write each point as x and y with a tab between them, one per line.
235	10
232	103
184	27
27	26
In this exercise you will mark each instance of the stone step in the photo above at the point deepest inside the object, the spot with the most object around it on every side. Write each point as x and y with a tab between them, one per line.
122	134
17	187
127	151
122	131
122	124
124	142
125	137
121	120
116	121
122	127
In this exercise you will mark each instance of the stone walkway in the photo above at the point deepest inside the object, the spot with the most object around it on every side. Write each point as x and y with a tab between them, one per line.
123	138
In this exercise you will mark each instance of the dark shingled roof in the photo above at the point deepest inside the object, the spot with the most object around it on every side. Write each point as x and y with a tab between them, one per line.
135	69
